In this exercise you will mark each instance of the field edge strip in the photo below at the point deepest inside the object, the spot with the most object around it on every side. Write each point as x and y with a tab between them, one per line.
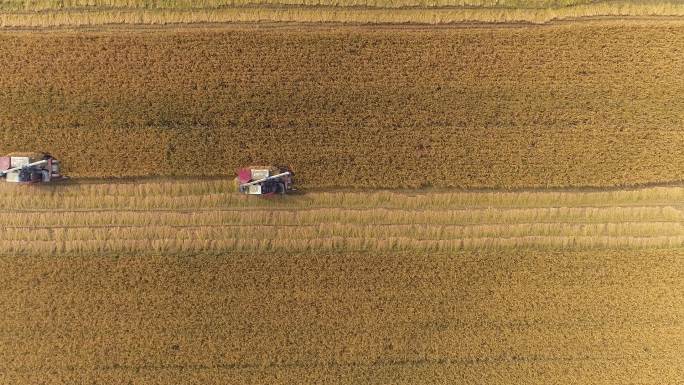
320	14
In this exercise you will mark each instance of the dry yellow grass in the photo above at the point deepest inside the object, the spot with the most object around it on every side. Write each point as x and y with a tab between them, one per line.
78	13
364	107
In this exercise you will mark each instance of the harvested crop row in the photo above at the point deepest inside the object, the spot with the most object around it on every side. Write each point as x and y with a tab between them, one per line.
100	221
478	107
178	195
174	246
499	317
346	230
343	215
57	13
52	5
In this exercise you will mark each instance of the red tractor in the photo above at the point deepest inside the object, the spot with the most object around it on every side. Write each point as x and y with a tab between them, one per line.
267	180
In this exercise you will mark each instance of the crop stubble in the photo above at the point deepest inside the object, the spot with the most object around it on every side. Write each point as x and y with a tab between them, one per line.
193	216
51	13
561	105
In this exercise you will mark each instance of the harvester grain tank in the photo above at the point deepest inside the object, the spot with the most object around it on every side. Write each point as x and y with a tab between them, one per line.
267	180
29	168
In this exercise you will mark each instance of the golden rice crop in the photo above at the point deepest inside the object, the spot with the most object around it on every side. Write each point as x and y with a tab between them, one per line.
500	317
59	13
478	107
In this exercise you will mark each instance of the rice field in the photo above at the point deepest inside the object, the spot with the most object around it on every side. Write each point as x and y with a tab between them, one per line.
500	317
385	107
53	13
491	193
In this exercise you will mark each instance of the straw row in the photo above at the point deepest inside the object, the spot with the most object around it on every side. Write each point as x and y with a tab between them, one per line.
344	230
293	13
199	218
219	193
117	246
343	215
46	5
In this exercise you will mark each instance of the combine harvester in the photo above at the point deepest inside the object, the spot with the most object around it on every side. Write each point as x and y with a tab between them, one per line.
29	168
264	180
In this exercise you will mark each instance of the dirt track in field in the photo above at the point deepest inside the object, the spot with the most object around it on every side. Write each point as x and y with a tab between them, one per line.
596	317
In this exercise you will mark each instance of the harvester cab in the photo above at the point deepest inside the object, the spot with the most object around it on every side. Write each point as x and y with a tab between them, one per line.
264	180
29	168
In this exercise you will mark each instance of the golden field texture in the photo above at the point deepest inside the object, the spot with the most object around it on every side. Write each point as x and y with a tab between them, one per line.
561	105
47	5
181	217
167	281
474	317
52	13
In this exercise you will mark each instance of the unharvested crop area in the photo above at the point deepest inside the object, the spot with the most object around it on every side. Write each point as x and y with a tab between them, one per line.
505	317
594	103
49	13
